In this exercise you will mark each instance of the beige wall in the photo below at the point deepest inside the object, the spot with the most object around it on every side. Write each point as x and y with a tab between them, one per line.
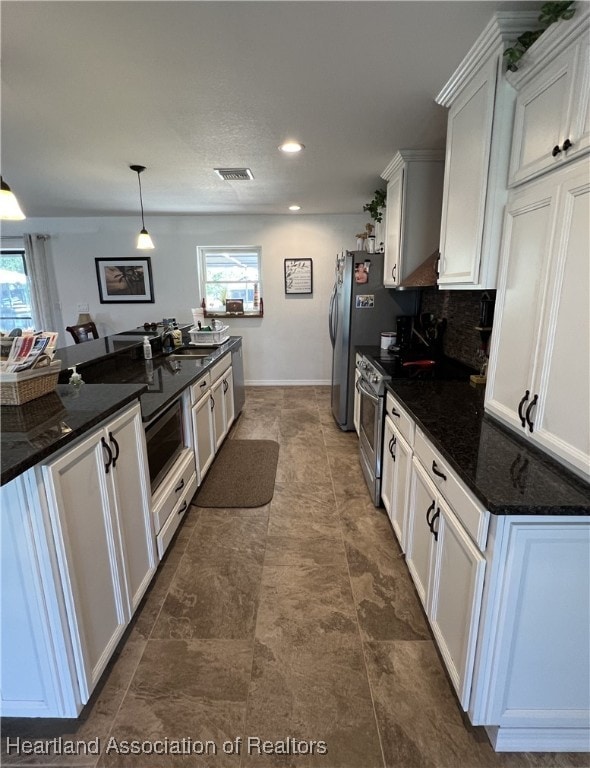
289	345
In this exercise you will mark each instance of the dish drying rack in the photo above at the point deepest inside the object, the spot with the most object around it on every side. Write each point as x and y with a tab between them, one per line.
214	338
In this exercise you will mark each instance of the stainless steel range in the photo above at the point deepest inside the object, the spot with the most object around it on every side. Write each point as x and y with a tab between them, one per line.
371	389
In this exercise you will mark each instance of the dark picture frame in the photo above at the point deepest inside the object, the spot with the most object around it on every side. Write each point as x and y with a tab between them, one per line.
125	281
298	276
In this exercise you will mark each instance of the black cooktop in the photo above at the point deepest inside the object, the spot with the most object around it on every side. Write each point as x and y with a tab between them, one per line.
417	364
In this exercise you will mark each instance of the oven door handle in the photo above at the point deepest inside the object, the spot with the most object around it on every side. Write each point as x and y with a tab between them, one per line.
370	395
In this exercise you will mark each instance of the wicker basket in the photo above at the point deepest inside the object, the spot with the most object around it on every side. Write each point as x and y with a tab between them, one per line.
19	388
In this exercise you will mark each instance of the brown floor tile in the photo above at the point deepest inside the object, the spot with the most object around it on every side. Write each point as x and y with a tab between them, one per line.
316	691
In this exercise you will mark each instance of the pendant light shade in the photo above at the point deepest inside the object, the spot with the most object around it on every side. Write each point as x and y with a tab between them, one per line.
144	241
9	207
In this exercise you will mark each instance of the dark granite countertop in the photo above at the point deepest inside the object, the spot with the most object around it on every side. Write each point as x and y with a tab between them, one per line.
508	474
112	378
33	431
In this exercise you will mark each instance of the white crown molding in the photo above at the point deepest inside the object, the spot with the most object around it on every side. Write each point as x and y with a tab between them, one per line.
412	155
551	43
503	28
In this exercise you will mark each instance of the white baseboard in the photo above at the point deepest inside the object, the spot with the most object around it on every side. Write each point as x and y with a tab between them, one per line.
289	383
539	739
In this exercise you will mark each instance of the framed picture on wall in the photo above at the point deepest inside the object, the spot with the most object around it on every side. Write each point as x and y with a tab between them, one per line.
125	281
298	276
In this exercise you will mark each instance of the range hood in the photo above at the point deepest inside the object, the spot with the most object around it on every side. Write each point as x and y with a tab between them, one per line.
424	276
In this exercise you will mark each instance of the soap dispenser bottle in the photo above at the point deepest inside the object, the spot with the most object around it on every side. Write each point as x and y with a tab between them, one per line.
176	334
147	348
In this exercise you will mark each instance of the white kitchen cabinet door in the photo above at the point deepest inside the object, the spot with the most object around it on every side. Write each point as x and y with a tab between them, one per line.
412	215
219	423
387	466
228	398
393	230
38	674
133	497
468	177
203	434
401	487
420	539
519	304
561	417
551	118
81	502
455	603
541	329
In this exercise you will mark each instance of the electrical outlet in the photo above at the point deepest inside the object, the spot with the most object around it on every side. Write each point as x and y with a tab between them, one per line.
83	308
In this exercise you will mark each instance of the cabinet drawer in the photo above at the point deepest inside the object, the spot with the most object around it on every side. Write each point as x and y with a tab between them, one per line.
176	516
200	386
173	488
473	516
220	367
400	419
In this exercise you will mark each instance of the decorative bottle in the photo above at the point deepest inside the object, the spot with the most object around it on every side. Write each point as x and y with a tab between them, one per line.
147	349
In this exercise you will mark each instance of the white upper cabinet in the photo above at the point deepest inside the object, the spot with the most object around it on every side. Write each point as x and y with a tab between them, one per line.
477	155
551	124
412	214
539	374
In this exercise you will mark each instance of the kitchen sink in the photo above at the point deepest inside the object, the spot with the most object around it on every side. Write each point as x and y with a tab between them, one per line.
189	352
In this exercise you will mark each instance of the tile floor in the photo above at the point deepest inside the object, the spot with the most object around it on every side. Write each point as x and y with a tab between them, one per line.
294	621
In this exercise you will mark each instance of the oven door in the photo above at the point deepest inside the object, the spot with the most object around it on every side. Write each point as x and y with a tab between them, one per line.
370	439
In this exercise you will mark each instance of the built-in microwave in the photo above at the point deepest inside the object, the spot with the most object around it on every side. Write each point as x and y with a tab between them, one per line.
164	437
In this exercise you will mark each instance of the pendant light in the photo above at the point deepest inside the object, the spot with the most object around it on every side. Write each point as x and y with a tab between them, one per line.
144	241
9	207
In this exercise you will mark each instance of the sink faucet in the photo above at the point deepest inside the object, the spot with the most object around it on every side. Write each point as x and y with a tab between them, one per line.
167	339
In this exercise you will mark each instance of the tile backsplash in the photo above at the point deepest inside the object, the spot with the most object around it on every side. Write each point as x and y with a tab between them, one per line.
462	312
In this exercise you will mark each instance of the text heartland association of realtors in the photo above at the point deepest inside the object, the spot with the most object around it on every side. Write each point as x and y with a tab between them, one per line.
252	745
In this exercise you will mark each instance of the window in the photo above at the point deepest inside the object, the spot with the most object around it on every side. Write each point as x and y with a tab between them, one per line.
15	292
230	273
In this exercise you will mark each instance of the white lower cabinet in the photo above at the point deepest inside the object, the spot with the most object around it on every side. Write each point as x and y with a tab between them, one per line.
448	572
533	664
172	498
79	548
203	434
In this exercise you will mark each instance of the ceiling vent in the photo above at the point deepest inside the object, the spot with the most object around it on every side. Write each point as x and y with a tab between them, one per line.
234	174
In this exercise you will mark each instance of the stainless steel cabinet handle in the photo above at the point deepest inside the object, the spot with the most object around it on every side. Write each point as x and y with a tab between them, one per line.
527	415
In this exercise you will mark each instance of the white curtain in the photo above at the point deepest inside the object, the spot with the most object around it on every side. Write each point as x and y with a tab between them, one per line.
46	312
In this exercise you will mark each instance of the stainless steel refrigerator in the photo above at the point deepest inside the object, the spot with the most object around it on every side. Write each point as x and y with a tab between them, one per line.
359	312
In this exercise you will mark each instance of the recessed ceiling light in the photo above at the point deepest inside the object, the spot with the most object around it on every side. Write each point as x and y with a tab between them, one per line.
294	207
291	147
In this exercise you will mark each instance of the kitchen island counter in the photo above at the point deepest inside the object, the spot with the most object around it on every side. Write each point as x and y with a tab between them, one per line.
35	430
509	476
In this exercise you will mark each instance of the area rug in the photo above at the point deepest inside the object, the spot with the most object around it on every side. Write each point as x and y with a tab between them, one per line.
242	475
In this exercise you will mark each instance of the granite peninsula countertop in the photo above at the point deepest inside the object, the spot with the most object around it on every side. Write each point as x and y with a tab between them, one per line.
507	474
31	432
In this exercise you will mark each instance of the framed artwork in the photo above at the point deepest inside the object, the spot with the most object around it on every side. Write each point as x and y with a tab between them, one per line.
125	281
298	276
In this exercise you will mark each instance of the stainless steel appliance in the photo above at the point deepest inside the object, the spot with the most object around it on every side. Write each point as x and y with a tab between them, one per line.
360	308
164	437
371	389
375	371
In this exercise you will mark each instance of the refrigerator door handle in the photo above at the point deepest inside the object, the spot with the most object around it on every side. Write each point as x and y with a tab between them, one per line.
331	325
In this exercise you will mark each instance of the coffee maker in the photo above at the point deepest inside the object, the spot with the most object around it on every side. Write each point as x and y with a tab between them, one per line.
404	325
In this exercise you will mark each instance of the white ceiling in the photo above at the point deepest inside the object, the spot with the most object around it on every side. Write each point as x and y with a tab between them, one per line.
89	88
